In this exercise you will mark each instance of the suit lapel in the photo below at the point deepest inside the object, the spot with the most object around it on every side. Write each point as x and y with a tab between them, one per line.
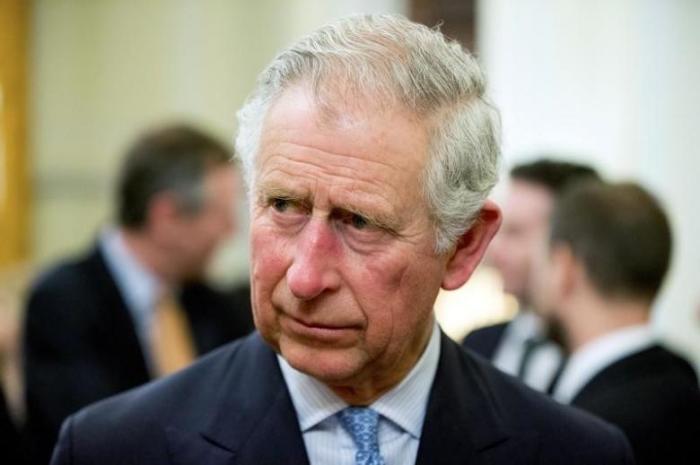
115	319
255	424
462	423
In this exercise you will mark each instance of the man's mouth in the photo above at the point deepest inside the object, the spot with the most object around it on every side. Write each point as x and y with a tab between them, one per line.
318	331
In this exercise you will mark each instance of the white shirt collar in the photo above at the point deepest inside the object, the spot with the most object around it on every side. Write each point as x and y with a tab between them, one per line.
598	354
526	325
138	285
315	402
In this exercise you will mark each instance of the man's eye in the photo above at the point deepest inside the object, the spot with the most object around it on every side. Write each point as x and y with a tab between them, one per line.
280	205
358	222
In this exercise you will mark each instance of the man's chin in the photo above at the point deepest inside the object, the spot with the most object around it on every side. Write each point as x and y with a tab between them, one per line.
194	275
330	366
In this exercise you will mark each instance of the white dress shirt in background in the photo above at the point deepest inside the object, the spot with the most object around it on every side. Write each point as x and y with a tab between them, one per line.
598	354
138	287
544	360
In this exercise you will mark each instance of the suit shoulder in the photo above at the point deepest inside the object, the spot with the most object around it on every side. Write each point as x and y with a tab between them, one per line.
486	331
675	363
485	340
673	371
172	400
566	434
61	295
655	368
56	277
664	382
666	428
140	424
67	283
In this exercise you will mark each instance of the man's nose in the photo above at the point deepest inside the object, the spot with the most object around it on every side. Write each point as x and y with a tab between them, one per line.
314	267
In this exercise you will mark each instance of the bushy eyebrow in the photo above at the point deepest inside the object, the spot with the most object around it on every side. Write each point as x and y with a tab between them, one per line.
263	193
379	219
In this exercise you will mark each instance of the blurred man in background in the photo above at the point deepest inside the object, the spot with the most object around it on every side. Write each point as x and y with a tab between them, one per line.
595	280
522	346
10	444
134	307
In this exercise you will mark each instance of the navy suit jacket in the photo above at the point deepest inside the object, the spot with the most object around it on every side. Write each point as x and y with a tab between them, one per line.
80	343
10	443
233	407
653	396
485	341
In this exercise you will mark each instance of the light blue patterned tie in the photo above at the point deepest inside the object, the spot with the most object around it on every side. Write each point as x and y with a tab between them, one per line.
362	424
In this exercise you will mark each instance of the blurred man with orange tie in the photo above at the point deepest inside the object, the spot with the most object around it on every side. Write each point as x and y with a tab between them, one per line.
135	307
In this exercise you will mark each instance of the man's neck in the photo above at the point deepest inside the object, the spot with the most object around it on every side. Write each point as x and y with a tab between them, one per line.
596	317
148	255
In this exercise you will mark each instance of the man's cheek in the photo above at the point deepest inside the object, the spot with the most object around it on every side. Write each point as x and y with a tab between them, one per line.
269	251
269	267
385	273
270	262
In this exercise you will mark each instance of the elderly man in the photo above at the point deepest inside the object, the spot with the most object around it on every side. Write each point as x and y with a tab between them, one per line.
369	150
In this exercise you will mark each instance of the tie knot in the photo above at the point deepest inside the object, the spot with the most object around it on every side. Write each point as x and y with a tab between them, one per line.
165	300
362	425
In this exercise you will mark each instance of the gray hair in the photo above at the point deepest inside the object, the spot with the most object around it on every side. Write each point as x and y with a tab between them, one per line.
410	66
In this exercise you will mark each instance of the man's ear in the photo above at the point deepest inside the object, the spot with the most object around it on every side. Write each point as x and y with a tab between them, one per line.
471	246
162	211
567	270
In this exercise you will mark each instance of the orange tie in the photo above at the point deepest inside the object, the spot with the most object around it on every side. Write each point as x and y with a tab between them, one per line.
172	347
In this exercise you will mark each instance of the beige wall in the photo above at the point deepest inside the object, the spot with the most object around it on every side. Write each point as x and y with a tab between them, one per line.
103	70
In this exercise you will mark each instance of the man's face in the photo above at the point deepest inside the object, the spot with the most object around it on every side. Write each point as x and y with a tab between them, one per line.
526	212
542	282
551	284
343	270
195	236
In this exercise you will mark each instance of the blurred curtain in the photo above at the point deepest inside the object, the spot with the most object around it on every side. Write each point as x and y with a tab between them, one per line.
14	185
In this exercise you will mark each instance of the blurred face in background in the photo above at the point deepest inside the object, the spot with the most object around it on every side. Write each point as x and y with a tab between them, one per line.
526	210
544	278
193	237
553	281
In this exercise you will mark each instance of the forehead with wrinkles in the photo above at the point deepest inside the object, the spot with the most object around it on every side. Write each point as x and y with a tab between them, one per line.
349	138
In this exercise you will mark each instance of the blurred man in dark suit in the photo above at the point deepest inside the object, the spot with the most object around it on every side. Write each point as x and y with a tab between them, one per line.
522	346
595	280
10	444
369	148
135	307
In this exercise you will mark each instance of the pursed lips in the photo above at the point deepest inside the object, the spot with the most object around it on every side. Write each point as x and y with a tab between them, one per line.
319	331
